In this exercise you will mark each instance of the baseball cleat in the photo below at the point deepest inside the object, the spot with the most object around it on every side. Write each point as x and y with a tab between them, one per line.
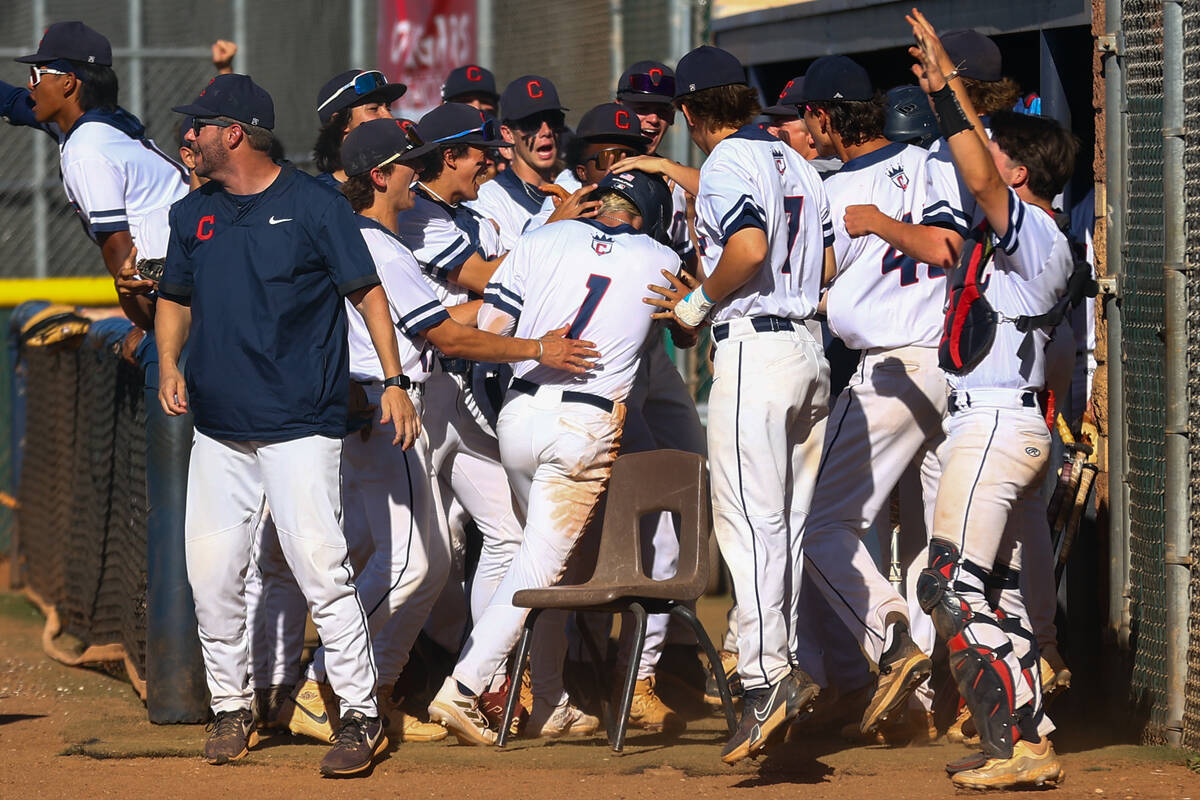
459	713
311	711
230	736
359	739
768	710
902	667
406	727
649	713
560	721
1055	674
492	706
963	730
1031	765
712	695
912	728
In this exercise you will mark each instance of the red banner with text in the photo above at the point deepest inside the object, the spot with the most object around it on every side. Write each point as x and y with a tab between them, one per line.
420	41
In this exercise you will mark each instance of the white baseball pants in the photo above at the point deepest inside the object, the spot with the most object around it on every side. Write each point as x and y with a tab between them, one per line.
276	610
558	456
227	484
766	424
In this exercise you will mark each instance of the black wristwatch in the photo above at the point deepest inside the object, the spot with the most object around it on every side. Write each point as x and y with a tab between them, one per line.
397	380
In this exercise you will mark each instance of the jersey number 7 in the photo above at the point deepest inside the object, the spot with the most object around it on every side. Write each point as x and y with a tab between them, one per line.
597	285
792	206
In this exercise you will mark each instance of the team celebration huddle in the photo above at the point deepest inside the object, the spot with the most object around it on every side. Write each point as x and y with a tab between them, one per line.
411	375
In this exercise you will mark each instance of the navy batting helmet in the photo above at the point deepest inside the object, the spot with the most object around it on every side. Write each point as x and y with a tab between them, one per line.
910	118
651	196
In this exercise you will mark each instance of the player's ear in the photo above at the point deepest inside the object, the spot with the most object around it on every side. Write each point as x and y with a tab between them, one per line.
687	115
379	179
507	134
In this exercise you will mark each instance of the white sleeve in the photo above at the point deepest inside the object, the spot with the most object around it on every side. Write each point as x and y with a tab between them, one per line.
506	290
945	206
97	187
1029	240
442	248
728	201
495	320
413	301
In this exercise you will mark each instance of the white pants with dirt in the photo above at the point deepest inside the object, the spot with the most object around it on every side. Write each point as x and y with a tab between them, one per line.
228	483
766	424
558	455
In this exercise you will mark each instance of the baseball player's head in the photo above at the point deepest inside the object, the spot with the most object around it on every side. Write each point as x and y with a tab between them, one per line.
605	135
346	101
910	118
840	105
647	89
462	138
639	198
532	119
472	85
71	72
977	59
380	158
711	91
785	119
1033	152
231	126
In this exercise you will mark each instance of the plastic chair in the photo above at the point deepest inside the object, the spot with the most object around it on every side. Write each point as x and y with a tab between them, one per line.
641	483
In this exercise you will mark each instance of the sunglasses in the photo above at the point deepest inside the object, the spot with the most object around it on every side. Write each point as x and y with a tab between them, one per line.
199	123
489	130
36	73
363	83
645	84
532	124
606	158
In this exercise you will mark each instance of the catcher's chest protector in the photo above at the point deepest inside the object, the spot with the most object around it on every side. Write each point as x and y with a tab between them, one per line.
970	324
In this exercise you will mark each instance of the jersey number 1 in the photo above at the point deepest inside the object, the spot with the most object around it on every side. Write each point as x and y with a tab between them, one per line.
597	285
792	206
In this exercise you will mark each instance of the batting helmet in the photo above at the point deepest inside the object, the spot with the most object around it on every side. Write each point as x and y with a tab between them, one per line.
651	196
909	117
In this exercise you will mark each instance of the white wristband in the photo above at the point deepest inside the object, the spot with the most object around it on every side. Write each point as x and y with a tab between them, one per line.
692	309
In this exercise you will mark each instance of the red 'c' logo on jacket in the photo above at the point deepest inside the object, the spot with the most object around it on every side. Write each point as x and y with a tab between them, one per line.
203	232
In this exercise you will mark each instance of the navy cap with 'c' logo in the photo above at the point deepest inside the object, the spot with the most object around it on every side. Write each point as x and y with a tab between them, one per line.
468	80
611	122
529	95
72	41
234	96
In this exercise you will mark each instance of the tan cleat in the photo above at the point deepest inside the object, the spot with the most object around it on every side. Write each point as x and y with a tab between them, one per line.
1055	674
404	727
729	662
312	711
914	728
902	668
963	731
460	715
650	713
1031	765
559	722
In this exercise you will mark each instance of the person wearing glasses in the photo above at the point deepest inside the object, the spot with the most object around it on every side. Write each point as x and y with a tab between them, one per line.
118	180
532	120
258	263
346	101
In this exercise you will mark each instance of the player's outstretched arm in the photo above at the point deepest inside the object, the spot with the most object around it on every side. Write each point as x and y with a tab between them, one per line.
552	350
394	405
960	124
689	303
928	244
171	324
687	177
475	273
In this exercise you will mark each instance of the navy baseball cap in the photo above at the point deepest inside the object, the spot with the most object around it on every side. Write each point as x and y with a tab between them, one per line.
707	67
356	87
235	96
611	122
529	95
647	82
380	142
973	54
837	78
469	79
791	97
72	41
458	123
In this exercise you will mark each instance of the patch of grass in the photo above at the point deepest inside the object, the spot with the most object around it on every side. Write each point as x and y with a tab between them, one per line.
16	607
99	751
1192	762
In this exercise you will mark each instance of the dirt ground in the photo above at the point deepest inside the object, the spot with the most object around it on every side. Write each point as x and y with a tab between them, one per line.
67	732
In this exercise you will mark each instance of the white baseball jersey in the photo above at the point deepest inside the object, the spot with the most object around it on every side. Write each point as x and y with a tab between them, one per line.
443	237
586	275
117	182
751	179
881	297
949	203
509	202
1026	276
413	305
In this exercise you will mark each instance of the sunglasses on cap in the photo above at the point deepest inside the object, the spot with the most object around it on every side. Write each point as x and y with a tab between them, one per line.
645	84
201	122
363	83
533	123
606	158
36	73
489	130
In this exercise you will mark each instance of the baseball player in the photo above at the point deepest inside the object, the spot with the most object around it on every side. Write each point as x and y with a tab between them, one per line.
890	414
258	263
118	180
386	490
765	243
346	101
1015	267
472	85
560	433
532	121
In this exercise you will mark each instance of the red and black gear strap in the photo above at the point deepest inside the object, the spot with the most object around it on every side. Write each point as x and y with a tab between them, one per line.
970	324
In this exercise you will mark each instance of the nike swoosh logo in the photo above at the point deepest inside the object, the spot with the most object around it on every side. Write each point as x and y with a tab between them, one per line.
273	221
766	706
321	720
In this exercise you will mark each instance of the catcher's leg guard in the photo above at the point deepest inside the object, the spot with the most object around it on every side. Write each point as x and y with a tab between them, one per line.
976	656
